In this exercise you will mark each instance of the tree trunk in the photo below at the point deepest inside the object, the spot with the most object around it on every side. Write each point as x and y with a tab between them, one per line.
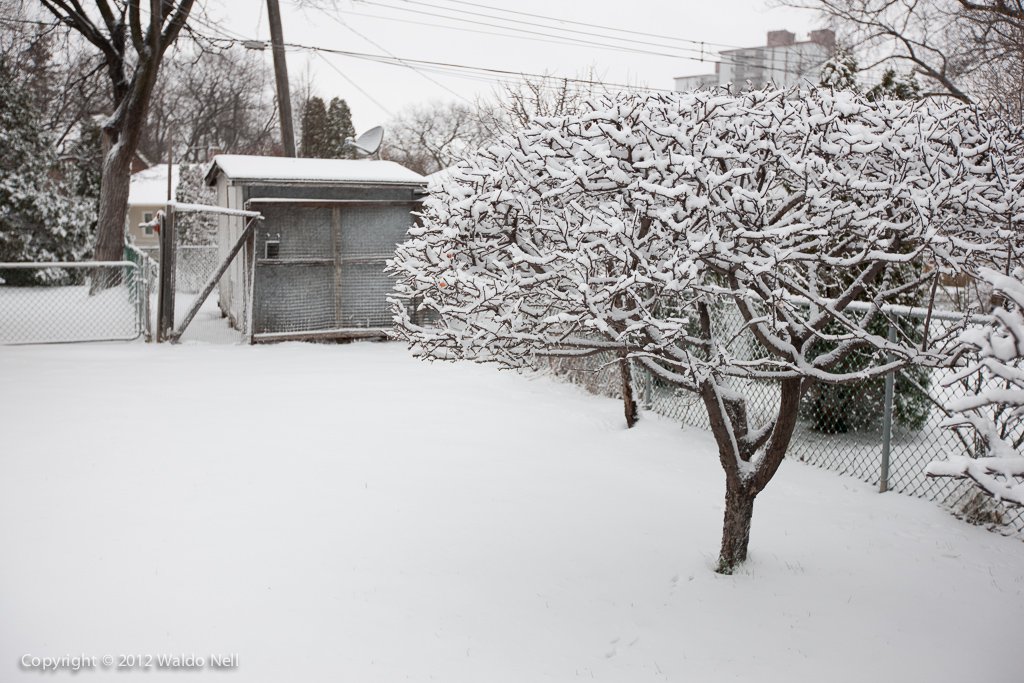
117	171
739	511
628	398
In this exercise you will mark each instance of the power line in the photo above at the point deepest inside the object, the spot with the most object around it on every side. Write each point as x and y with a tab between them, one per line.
577	41
589	25
704	56
384	49
531	24
355	85
741	61
454	69
398	61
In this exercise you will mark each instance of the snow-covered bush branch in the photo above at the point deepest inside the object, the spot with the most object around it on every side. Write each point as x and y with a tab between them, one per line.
995	413
626	227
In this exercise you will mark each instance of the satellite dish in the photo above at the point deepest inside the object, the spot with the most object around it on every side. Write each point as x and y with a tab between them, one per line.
369	142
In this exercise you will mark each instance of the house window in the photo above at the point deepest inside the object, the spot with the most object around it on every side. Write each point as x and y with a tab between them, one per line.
147	219
272	249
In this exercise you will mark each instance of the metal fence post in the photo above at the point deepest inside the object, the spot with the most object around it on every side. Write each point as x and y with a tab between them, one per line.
165	299
890	392
146	294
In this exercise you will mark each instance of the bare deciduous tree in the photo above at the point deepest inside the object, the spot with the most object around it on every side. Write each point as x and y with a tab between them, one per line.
973	51
514	105
429	137
131	41
212	100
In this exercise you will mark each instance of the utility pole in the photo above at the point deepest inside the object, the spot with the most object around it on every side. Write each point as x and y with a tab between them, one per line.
284	98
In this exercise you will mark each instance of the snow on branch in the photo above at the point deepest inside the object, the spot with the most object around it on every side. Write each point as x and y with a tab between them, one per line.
995	410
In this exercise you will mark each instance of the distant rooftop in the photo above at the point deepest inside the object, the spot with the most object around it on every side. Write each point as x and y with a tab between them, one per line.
149	187
825	38
287	169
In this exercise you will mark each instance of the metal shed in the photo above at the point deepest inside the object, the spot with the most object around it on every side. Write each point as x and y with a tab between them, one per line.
315	267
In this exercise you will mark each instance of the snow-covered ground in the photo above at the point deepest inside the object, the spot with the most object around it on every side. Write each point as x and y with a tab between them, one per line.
346	513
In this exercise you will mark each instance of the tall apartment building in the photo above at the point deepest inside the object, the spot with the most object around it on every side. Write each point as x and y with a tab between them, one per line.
783	61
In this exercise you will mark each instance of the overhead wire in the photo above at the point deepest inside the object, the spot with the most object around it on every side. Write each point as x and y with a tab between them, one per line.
540	34
683	53
449	69
519	21
377	45
355	85
590	25
450	65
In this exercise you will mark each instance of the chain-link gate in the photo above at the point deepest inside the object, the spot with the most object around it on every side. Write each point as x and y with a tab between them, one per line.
58	302
194	265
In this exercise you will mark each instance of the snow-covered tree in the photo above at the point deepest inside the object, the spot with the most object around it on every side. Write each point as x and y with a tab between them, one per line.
195	228
635	225
995	413
40	218
839	71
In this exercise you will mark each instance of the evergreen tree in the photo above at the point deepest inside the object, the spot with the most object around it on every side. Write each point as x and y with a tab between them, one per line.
314	129
339	129
840	408
857	406
40	218
325	129
840	71
195	228
895	86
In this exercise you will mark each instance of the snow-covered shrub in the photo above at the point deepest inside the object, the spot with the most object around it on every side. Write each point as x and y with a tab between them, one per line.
994	414
625	227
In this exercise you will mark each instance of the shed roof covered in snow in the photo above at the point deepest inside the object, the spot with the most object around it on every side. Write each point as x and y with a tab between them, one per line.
242	168
149	186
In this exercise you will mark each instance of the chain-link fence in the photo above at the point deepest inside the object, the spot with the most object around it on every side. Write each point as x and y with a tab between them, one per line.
854	429
71	302
193	266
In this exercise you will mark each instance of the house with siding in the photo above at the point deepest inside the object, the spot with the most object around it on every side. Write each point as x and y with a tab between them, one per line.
147	194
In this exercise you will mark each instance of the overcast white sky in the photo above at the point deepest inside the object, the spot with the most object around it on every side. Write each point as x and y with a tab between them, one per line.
387	89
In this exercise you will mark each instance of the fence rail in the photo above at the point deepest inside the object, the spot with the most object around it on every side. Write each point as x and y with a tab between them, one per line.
57	302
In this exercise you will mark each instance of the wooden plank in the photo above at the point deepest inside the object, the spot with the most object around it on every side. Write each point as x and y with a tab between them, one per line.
250	318
214	279
296	261
323	335
336	228
325	203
